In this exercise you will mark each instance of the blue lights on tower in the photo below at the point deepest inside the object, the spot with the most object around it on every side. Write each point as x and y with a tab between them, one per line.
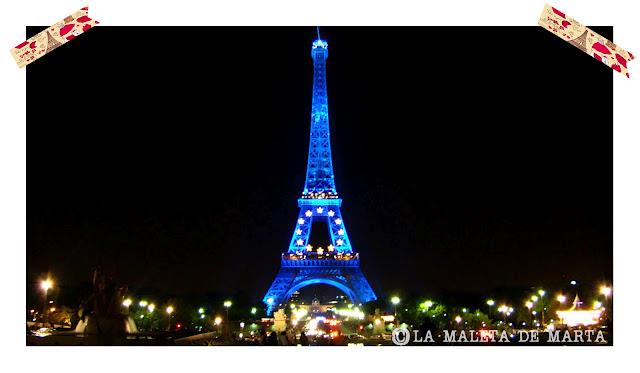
335	263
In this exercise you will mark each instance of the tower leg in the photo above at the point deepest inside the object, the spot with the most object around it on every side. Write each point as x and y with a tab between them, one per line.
349	280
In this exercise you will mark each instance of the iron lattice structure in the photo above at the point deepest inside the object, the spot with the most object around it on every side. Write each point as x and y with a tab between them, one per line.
337	263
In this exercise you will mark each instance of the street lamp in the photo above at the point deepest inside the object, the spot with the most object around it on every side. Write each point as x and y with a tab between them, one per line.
529	304
200	310
143	303
542	292
127	302
606	291
169	312
45	285
534	298
395	301
253	310
151	307
561	298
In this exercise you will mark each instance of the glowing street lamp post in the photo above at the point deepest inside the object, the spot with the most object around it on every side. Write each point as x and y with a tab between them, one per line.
395	301
227	304
490	303
45	285
542	293
170	313
606	291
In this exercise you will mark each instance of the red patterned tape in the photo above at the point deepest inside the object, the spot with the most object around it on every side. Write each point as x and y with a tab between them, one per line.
53	37
585	39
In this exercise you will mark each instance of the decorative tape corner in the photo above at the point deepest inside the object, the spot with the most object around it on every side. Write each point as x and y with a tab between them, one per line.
53	37
585	39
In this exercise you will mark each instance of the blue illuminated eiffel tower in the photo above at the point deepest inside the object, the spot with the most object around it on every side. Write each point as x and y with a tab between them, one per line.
335	262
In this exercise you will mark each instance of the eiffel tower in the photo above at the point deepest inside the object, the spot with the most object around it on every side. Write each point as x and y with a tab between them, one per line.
334	261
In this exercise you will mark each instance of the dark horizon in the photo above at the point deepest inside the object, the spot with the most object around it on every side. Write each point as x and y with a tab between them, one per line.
461	171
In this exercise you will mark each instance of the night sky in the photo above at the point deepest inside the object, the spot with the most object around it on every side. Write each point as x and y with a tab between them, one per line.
469	159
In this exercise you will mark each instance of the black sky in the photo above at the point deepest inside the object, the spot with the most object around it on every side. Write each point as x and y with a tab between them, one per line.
468	159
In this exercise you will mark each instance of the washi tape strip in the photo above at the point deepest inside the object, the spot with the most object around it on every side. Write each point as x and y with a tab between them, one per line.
53	37
585	39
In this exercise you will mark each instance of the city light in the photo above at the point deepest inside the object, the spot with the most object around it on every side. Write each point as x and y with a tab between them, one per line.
458	319
561	298
395	300
200	310
490	302
46	285
529	304
143	303
579	317
541	292
127	302
534	298
227	303
573	282
426	305
605	290
254	310
217	320
597	305
169	310
151	307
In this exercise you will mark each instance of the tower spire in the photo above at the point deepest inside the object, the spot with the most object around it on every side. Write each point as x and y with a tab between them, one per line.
320	180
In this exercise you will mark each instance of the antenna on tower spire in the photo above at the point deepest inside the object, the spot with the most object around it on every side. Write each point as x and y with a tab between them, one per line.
318	30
